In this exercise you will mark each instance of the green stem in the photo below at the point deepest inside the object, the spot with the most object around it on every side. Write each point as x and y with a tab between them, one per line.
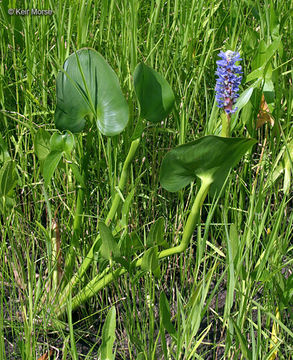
226	120
191	222
98	283
116	201
77	223
122	181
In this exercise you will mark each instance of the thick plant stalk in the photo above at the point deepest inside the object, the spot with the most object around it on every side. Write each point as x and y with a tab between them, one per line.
98	283
191	222
226	120
116	201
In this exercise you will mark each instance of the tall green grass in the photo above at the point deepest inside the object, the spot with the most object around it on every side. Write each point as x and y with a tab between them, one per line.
230	295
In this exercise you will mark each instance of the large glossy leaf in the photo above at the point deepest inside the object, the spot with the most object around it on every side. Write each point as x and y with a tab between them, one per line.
210	158
154	94
89	87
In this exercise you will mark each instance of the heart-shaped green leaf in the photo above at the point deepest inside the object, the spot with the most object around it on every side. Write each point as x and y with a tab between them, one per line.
63	142
50	150
89	87
56	142
210	158
154	94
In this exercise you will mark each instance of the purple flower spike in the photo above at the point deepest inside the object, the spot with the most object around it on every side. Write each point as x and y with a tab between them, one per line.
228	80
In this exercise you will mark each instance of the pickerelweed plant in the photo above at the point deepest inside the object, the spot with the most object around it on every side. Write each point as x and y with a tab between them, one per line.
89	97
